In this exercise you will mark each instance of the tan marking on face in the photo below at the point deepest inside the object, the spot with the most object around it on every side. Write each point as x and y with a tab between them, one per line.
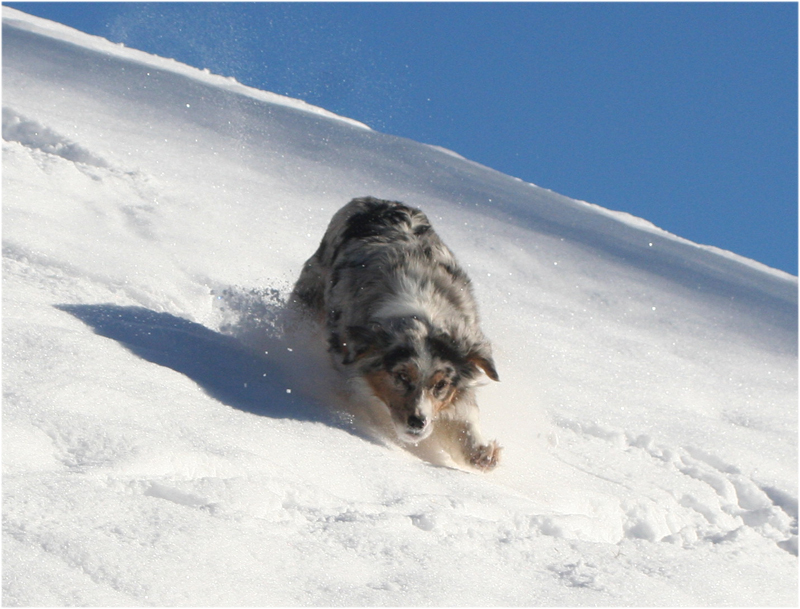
446	398
445	402
382	385
409	369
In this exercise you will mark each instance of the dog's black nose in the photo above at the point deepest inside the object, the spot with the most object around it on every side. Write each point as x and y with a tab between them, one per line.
415	422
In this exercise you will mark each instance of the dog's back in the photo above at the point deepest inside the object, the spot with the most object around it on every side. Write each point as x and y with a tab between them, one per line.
380	259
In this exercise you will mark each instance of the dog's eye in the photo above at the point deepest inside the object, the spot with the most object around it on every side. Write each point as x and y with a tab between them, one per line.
438	387
402	377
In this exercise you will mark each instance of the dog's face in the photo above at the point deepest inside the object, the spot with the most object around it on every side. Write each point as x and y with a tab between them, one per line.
417	372
414	390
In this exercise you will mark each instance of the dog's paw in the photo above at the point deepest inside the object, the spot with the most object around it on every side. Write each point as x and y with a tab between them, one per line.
486	457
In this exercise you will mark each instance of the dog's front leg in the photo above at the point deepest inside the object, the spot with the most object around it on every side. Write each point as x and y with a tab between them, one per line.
476	451
481	454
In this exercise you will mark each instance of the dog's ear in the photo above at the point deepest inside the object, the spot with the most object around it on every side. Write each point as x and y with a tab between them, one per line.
480	356
363	339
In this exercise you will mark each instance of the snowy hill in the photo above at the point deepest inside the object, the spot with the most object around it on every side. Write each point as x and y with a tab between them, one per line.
166	443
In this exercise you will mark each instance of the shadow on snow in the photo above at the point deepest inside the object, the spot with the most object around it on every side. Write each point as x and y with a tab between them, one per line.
221	365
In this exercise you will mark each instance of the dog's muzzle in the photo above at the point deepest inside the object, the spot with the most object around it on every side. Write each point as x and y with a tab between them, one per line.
416	424
417	428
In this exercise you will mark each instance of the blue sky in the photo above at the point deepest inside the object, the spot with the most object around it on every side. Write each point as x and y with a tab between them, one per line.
684	114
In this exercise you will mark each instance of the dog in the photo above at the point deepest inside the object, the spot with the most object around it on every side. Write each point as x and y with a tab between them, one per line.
402	322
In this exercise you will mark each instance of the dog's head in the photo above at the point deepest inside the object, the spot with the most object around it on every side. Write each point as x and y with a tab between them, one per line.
417	370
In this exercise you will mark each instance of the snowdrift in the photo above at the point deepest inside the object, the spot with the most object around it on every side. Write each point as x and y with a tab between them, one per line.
168	440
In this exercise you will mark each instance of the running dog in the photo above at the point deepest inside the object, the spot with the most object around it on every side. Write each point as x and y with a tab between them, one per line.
402	323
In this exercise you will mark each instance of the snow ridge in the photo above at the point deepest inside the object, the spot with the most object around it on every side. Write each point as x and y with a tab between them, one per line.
70	35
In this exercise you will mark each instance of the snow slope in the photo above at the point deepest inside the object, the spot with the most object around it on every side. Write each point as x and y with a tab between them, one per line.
167	440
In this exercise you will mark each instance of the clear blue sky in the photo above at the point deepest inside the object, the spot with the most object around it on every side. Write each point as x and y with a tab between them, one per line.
683	114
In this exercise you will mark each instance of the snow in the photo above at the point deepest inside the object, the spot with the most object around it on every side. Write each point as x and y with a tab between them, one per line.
170	439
